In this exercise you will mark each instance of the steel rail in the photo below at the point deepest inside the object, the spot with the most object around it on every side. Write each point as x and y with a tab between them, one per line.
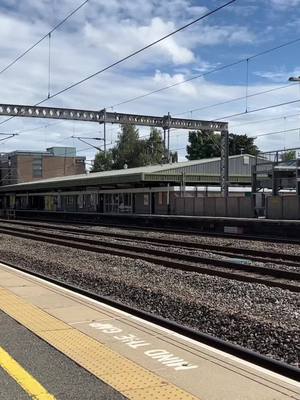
243	353
251	254
272	239
184	262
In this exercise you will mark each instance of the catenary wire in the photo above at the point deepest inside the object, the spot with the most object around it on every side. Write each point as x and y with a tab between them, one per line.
128	56
258	109
239	61
241	114
44	37
236	99
253	111
217	69
265	120
139	50
264	52
47	35
256	136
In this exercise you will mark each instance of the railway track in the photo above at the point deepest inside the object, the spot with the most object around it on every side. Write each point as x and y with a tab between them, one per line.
243	353
222	267
232	252
193	231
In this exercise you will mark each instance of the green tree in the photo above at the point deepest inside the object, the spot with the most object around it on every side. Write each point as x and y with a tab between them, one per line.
206	144
203	144
288	155
132	151
154	147
103	162
128	148
239	144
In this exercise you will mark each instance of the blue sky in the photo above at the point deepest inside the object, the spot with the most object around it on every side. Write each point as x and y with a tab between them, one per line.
102	32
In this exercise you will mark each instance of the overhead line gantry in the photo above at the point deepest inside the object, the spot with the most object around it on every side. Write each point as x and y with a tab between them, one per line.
165	122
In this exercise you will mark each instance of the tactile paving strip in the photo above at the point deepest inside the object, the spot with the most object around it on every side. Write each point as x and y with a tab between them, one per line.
127	377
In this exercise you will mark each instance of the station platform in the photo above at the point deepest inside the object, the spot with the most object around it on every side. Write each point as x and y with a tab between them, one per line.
69	345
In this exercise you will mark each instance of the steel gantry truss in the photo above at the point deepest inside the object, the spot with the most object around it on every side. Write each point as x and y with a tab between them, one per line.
165	122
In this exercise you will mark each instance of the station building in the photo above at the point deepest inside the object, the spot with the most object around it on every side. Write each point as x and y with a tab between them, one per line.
25	166
191	188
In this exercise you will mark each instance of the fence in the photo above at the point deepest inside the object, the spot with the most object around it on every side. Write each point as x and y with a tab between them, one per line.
283	207
239	207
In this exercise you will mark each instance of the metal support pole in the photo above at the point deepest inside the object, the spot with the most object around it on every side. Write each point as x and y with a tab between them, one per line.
224	163
168	141
168	149
274	182
104	131
254	178
164	143
298	177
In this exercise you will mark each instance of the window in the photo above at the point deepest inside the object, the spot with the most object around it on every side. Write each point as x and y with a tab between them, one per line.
160	198
111	203
146	199
246	160
70	200
80	201
125	203
118	202
37	167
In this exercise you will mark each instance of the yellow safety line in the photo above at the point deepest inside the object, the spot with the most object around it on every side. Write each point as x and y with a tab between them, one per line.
124	375
23	378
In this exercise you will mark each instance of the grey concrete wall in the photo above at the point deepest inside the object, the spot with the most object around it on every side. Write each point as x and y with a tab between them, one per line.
283	207
246	207
274	207
209	206
189	205
290	207
199	206
214	206
233	207
221	208
178	204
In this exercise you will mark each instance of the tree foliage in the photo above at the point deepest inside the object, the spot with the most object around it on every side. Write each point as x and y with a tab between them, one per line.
206	144
130	151
155	147
128	147
203	144
103	162
239	144
288	155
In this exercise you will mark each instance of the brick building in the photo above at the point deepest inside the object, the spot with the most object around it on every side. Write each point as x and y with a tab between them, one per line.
25	166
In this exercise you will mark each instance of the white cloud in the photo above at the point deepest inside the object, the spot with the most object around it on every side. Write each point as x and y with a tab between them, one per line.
103	32
281	75
165	79
210	35
130	37
284	4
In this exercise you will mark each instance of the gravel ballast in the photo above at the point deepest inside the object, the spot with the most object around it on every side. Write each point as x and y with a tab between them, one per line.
178	249
260	318
280	248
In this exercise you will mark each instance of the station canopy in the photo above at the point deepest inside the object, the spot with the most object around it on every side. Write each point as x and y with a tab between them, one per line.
197	172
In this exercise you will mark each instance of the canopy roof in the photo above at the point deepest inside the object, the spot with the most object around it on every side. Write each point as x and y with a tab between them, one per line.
189	172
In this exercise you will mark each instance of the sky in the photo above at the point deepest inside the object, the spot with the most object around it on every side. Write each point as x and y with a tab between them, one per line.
102	32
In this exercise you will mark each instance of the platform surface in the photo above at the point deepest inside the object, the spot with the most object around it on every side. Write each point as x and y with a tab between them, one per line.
134	358
45	364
